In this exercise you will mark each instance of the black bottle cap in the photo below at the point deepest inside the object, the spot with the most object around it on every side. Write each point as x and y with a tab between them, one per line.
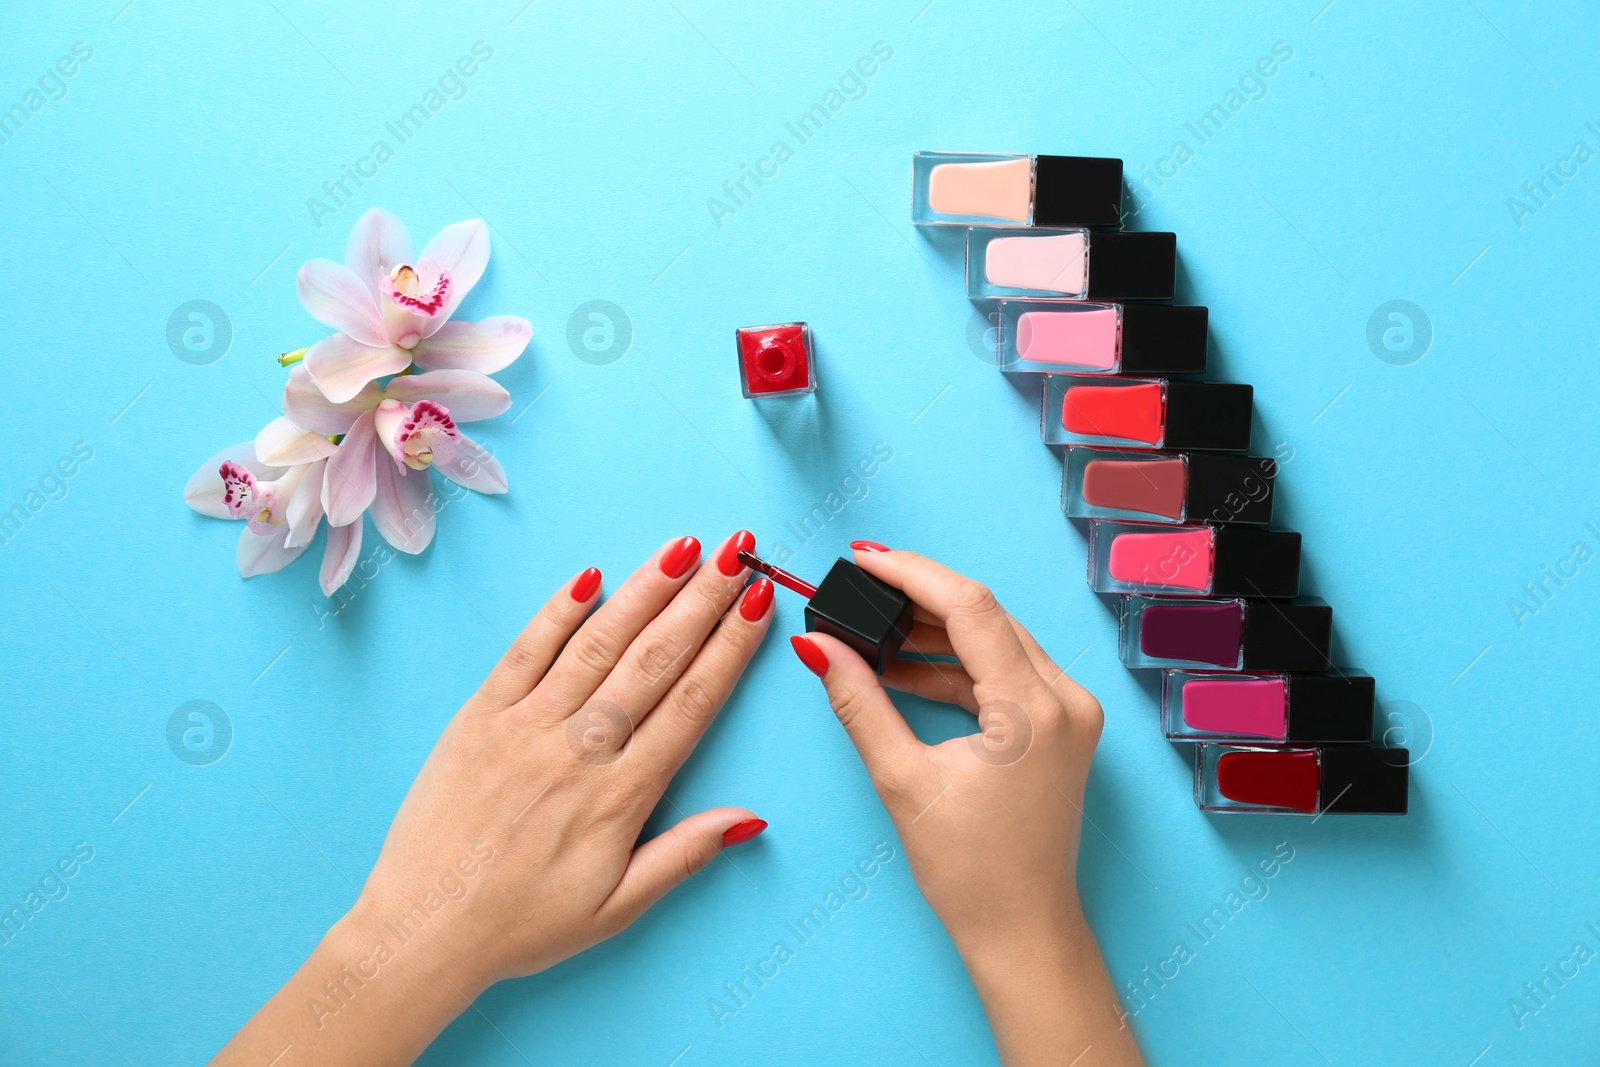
1331	707
870	616
1077	191
1365	780
1287	636
1163	339
1132	266
1208	416
1255	563
1230	488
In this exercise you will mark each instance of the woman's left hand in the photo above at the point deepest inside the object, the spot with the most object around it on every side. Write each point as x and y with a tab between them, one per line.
515	847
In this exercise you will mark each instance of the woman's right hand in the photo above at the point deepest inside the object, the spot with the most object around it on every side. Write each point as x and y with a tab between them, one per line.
990	823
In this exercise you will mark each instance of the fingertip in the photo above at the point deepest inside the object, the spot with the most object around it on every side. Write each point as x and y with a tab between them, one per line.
756	603
740	832
811	654
586	585
728	562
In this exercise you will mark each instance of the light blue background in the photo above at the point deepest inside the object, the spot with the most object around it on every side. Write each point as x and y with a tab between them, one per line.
1377	166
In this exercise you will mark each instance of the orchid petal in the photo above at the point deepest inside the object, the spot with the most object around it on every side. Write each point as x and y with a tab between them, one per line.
403	510
342	367
305	404
264	553
340	556
204	490
348	482
472	466
304	512
468	395
462	251
337	297
284	444
487	346
378	242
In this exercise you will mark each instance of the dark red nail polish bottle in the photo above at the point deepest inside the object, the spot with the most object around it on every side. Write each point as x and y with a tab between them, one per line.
776	360
1302	780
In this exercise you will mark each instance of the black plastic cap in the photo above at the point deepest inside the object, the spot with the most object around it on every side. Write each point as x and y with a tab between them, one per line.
868	615
1230	488
1209	416
1256	563
1287	636
1363	780
1163	339
1132	266
1331	707
1077	191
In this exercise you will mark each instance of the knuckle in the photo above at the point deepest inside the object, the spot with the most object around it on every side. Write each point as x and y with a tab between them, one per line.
712	594
905	787
973	598
521	659
1092	715
593	650
697	701
655	659
690	863
849	705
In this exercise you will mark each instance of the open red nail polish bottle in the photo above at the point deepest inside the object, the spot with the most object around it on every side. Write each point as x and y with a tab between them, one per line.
776	360
872	617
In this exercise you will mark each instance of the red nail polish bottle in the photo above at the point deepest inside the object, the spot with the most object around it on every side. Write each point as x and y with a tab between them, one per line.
776	360
1146	413
1302	780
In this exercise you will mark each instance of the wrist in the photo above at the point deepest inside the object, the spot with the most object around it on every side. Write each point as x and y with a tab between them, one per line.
1033	943
392	950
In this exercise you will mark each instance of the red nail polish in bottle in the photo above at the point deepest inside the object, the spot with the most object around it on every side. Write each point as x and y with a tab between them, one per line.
1302	780
776	360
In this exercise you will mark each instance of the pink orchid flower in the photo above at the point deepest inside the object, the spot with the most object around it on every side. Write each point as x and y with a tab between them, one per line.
391	308
392	436
274	484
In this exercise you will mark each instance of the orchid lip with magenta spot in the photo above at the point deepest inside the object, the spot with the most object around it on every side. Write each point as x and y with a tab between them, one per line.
416	435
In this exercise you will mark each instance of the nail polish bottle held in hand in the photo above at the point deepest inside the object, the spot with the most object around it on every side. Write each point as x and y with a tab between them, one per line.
870	616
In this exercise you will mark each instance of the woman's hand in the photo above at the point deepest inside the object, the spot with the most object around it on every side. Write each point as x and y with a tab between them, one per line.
514	848
990	822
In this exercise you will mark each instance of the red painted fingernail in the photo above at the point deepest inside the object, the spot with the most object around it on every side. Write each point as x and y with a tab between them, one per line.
679	557
810	655
757	601
585	585
868	546
728	559
740	832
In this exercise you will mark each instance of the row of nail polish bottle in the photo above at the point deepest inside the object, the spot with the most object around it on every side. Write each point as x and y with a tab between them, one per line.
1158	464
